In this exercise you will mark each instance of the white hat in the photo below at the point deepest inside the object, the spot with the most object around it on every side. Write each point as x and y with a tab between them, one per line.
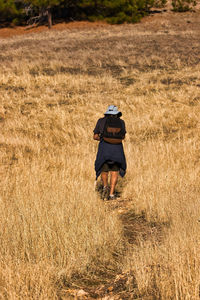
112	110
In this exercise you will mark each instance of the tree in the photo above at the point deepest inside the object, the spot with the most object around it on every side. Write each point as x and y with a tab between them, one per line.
116	11
45	6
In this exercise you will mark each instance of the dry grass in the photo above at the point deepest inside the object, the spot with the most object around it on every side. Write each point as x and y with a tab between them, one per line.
54	228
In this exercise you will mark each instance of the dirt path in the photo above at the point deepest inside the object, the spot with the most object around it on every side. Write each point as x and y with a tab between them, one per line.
136	228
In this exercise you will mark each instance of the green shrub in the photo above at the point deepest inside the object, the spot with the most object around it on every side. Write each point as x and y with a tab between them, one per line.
16	21
159	3
183	5
118	19
95	18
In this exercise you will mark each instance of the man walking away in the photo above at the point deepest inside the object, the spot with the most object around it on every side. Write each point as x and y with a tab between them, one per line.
110	131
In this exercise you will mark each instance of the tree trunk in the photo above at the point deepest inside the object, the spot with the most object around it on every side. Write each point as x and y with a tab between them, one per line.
49	17
95	4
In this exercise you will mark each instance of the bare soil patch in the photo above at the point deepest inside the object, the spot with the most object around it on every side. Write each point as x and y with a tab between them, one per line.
22	30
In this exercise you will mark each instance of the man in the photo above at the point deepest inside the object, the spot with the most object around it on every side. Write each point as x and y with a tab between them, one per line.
110	131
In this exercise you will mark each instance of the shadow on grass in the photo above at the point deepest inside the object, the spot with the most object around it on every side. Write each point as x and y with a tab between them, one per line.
137	228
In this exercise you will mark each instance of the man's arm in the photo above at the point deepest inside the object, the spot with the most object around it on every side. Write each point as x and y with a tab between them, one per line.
124	127
96	131
96	137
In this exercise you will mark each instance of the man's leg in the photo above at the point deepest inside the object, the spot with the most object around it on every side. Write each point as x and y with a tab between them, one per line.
113	181
105	192
104	177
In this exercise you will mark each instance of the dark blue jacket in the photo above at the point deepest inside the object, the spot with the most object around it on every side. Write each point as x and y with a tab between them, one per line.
110	152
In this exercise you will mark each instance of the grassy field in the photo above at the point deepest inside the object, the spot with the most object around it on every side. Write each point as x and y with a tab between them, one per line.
57	236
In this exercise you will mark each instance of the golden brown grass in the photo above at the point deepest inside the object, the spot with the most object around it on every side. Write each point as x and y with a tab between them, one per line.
54	228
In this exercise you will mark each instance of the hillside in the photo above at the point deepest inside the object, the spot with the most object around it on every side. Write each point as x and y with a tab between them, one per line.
59	240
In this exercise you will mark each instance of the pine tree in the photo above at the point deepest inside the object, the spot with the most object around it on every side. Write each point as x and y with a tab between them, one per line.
117	11
7	9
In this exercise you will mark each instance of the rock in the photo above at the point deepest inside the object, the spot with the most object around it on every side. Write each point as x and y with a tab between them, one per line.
110	288
81	293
